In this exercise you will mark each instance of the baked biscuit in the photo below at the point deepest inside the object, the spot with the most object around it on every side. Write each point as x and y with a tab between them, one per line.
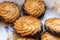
9	11
53	25
34	7
48	36
27	25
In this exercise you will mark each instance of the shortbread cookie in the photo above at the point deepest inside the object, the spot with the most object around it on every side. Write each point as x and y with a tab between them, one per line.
34	7
27	25
9	11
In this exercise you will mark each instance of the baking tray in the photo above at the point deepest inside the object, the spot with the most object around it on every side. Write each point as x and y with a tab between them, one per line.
6	33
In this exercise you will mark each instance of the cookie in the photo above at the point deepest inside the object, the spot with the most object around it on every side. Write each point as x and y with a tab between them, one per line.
27	25
48	36
53	26
9	11
34	7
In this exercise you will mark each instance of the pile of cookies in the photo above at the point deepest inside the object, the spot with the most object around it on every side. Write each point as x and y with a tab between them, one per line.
29	26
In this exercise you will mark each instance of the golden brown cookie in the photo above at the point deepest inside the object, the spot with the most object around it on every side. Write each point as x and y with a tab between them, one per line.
27	25
34	7
48	36
53	25
9	11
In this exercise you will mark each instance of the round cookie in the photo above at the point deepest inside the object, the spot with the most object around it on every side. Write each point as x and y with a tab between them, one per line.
34	7
27	25
48	36
53	26
9	11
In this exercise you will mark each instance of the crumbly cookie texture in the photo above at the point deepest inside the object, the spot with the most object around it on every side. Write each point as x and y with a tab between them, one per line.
53	23
9	11
34	7
48	36
27	25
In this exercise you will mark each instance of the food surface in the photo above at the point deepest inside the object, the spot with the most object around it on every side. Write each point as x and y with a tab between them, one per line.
27	25
34	7
53	25
48	36
9	11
